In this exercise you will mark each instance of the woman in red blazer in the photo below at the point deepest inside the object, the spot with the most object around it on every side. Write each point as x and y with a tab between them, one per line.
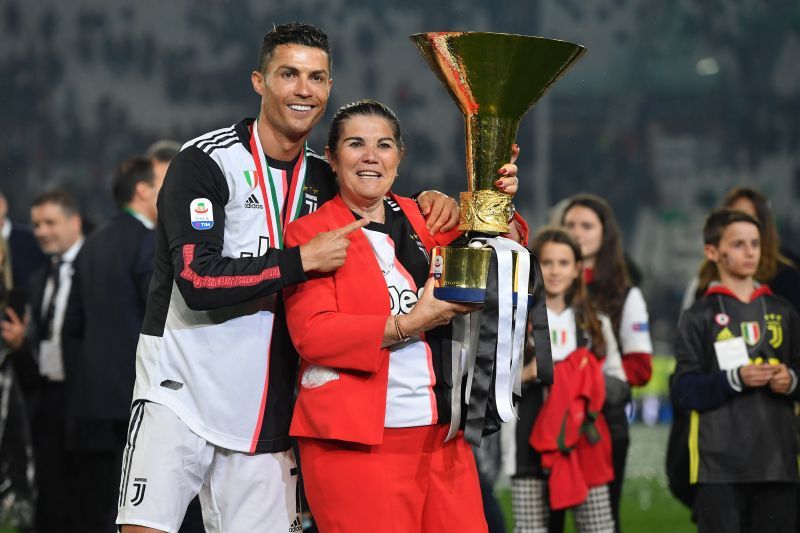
372	411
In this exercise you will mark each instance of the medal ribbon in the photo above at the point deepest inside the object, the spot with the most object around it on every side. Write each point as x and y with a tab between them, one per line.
271	206
511	323
487	345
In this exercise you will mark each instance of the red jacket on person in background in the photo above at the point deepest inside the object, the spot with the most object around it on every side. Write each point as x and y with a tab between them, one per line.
570	432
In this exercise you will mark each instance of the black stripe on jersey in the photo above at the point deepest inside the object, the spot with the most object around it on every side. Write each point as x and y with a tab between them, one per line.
242	129
411	253
219	137
394	205
212	138
210	149
136	421
222	143
283	361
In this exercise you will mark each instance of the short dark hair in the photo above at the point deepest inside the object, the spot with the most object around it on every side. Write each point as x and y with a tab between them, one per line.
128	174
59	197
719	219
293	33
164	150
369	108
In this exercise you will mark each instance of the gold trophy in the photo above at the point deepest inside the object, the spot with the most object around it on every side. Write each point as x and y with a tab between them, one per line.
495	78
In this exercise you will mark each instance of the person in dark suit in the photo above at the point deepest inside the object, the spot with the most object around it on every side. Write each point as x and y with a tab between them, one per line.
104	317
39	355
24	253
18	496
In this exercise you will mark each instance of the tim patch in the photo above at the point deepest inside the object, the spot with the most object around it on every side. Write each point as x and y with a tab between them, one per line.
202	214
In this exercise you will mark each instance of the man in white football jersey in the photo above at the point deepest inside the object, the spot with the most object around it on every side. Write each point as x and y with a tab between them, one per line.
215	368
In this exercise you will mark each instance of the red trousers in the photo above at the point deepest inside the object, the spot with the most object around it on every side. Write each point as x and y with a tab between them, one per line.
413	482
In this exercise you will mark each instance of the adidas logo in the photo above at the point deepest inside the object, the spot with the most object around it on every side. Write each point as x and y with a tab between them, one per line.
296	525
252	203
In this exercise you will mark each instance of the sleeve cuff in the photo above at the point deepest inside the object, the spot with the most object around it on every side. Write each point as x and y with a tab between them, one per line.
793	386
734	380
291	266
522	228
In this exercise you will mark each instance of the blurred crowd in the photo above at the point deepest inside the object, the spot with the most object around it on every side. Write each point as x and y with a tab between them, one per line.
73	305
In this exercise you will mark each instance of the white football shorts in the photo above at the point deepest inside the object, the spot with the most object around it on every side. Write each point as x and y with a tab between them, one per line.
165	466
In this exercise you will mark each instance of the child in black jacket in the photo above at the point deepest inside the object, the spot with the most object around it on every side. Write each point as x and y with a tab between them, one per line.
738	358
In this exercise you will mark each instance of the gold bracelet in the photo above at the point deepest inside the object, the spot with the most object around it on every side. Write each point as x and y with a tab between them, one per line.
400	333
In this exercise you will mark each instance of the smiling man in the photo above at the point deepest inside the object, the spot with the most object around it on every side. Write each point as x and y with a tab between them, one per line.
215	369
40	358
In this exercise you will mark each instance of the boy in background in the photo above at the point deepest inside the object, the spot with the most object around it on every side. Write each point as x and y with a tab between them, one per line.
738	357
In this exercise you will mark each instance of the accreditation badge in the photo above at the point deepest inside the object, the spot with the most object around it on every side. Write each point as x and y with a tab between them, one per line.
731	353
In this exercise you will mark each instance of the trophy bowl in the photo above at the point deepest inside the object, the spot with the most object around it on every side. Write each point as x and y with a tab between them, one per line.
494	78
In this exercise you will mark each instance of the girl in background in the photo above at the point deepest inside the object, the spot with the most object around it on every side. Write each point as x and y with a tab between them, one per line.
590	220
558	466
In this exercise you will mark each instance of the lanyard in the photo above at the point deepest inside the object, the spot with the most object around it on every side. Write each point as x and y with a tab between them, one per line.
272	209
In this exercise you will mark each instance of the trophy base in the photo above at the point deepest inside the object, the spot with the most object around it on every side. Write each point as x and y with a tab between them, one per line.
460	272
460	295
466	295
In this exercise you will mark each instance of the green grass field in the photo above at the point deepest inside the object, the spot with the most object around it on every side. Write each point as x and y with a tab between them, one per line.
647	504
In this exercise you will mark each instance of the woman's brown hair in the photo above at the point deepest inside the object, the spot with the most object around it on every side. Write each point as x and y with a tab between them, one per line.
611	280
576	296
770	240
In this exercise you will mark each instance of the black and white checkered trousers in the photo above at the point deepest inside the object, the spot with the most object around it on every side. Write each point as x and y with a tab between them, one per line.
529	499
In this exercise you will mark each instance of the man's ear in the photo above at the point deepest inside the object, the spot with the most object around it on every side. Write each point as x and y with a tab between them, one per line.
711	252
77	222
257	79
141	189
